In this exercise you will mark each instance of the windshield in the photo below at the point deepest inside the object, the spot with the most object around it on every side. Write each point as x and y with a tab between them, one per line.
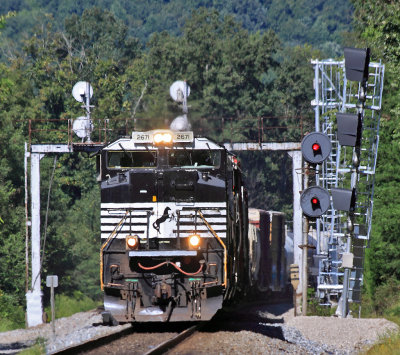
131	159
185	158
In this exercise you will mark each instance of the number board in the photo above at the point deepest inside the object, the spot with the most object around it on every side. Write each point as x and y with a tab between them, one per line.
142	137
183	137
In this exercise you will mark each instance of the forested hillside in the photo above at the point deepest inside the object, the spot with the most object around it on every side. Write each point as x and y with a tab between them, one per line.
319	22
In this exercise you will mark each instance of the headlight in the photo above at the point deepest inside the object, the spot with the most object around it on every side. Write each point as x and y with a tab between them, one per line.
132	242
167	137
162	138
158	137
194	240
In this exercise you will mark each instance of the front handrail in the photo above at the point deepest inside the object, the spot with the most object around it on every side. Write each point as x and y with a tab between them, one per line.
110	237
220	241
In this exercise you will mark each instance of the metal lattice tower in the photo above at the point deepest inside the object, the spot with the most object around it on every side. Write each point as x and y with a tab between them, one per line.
333	93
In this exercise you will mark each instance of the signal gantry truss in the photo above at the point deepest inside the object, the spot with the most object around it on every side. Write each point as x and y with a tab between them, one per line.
335	94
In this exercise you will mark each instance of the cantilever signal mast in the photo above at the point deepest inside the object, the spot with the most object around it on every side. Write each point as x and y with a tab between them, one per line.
82	126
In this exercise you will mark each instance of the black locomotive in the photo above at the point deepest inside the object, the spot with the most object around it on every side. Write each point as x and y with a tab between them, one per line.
174	227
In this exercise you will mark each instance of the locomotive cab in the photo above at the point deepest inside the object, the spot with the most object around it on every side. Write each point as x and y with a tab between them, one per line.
166	226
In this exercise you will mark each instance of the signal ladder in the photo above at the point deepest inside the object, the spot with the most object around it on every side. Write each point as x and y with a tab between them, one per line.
333	93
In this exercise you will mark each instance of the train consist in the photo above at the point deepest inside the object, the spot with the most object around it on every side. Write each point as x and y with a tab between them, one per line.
174	229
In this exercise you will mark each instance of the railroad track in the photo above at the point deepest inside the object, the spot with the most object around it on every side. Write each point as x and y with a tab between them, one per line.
171	343
104	343
136	339
93	343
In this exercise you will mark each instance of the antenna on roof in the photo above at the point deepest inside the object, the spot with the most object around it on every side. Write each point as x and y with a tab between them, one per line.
83	126
179	92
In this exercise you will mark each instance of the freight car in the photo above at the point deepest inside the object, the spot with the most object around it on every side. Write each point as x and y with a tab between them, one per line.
174	225
267	256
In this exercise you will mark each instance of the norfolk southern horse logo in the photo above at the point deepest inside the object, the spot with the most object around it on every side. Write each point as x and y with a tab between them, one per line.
162	219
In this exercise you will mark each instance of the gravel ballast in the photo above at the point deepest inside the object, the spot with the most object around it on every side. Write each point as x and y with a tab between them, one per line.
69	331
262	329
347	335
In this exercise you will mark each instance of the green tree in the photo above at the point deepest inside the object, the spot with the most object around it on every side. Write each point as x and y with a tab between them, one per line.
3	18
38	84
377	24
320	23
13	96
229	70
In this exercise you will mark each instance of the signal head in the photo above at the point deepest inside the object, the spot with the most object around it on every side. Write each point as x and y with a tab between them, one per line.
314	201
316	147
357	63
349	129
344	199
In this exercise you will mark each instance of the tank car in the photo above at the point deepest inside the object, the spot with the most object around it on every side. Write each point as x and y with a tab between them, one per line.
173	227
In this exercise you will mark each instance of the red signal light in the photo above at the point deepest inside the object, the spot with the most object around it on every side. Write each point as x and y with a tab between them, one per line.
314	201
316	147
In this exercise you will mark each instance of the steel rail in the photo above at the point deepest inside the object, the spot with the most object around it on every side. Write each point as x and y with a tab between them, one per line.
96	342
173	342
93	343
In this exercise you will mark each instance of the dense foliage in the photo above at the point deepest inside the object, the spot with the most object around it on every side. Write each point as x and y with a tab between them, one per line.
377	23
318	22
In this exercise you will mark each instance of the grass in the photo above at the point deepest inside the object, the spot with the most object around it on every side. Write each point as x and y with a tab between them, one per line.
12	314
9	324
34	350
386	304
66	306
37	349
389	345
